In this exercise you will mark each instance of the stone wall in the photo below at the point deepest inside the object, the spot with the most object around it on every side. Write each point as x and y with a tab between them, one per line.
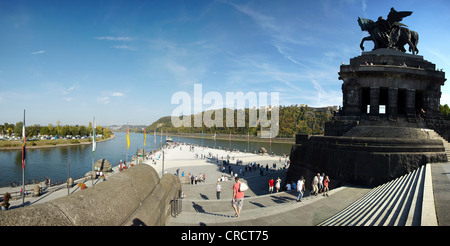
136	196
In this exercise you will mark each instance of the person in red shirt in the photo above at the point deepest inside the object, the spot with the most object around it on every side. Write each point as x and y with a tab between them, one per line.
271	185
326	181
238	198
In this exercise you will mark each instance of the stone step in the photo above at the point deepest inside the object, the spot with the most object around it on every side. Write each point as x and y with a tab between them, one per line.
398	202
434	135
257	210
383	207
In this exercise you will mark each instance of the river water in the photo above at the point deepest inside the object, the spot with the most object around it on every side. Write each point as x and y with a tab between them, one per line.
53	162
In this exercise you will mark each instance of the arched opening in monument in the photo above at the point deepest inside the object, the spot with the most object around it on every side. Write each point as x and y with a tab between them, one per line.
382	109
365	100
383	101
419	101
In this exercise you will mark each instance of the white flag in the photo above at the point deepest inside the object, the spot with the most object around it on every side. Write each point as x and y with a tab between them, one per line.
93	138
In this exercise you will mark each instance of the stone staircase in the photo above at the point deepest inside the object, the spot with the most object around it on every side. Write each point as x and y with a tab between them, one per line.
399	202
405	201
434	135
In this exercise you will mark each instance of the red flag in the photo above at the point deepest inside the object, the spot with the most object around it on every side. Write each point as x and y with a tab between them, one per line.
24	139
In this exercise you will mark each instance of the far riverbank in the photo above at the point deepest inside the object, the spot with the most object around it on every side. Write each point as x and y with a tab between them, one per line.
40	144
234	137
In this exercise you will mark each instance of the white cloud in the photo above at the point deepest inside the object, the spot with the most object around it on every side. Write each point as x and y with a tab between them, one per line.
105	97
118	94
67	91
123	47
38	52
110	38
103	100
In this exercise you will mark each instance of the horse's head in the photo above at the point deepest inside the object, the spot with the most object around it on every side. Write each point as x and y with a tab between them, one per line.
364	23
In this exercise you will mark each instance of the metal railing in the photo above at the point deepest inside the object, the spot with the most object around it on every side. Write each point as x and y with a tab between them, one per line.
176	205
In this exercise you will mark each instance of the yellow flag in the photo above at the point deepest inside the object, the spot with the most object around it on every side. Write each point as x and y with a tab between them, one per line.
128	138
144	137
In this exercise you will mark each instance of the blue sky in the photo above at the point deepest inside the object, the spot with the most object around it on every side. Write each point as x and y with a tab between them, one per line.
121	61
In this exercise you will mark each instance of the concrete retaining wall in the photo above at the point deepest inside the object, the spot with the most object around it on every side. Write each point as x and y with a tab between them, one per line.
136	196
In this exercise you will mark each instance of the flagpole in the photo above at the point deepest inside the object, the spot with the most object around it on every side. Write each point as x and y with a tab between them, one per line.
23	159
270	142
93	151
68	175
230	140
248	141
128	143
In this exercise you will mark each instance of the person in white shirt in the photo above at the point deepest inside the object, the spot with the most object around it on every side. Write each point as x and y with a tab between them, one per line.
288	186
315	185
300	188
218	190
321	183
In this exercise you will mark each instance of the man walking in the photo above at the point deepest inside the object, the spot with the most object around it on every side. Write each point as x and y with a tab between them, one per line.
315	185
218	190
271	185
300	188
238	198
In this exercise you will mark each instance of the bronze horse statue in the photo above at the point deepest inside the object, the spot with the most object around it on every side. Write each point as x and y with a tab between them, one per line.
390	33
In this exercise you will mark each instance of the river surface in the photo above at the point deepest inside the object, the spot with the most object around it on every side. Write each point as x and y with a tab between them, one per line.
53	163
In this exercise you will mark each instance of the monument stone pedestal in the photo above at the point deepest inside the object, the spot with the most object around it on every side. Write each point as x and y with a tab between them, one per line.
378	134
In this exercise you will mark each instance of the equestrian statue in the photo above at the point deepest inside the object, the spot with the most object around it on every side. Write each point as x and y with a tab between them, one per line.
390	33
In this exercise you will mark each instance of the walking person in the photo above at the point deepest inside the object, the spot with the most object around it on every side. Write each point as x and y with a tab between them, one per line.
326	181
218	190
320	186
271	185
300	188
315	184
238	198
278	184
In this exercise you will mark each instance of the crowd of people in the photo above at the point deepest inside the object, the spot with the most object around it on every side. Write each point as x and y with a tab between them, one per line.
320	184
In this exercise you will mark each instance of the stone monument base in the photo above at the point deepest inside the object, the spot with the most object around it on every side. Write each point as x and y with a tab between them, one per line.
367	161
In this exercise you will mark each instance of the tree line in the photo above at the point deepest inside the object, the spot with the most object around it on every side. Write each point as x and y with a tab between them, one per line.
52	130
445	111
293	119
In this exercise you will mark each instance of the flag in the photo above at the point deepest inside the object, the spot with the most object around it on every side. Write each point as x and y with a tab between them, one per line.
214	136
24	138
94	146
144	137
154	136
128	138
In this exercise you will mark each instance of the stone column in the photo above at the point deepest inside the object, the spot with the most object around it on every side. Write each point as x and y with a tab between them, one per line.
410	102
392	107
374	101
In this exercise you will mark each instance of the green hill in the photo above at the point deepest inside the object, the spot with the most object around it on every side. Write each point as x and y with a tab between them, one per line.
292	119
